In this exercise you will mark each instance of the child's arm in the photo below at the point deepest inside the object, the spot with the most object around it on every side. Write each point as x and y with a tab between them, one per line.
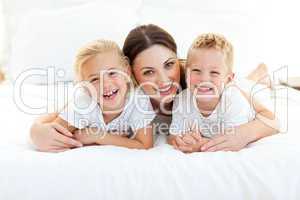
265	124
143	138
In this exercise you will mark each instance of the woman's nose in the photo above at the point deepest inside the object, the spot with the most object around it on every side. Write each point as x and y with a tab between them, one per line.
162	78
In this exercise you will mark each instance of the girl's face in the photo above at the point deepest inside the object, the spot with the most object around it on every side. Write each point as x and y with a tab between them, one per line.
109	78
157	71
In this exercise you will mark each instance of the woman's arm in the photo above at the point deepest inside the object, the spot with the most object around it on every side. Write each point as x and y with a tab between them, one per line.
50	136
65	124
143	138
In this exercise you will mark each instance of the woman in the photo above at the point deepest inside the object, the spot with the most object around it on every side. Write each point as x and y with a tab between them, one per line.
152	53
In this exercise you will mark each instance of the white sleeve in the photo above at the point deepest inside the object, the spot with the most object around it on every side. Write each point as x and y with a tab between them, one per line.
142	113
237	108
178	126
76	114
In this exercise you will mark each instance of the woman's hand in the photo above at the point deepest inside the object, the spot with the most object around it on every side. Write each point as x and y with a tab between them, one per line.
226	142
52	137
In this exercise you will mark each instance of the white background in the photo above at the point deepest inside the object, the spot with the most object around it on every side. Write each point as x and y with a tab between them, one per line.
261	30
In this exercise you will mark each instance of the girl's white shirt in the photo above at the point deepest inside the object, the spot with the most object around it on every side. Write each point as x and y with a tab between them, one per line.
84	111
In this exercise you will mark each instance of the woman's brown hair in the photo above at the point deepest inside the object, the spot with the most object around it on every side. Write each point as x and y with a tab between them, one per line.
145	36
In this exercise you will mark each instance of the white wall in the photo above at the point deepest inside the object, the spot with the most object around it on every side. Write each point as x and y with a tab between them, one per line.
2	35
261	31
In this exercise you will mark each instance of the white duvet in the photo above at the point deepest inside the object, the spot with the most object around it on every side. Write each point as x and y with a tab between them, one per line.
267	169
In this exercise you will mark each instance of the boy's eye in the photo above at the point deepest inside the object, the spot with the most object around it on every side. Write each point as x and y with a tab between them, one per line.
148	72
215	73
196	70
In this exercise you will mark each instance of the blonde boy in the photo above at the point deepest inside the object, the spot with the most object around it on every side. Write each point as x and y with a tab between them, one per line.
211	105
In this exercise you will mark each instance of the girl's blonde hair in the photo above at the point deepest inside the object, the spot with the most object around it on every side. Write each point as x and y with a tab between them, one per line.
2	76
94	48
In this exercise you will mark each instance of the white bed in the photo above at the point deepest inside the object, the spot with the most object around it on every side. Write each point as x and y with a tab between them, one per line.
268	169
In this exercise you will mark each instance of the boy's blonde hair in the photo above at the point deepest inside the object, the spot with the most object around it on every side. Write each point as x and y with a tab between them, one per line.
94	48
215	41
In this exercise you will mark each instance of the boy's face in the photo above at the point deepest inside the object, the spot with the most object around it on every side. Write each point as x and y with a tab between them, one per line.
109	78
207	73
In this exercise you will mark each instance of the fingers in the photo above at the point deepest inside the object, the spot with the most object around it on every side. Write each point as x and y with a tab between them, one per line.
66	140
54	149
58	150
188	139
174	144
218	147
180	141
197	136
213	142
185	149
59	144
62	130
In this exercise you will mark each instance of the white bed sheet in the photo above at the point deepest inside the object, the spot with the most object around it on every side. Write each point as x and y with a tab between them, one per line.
267	169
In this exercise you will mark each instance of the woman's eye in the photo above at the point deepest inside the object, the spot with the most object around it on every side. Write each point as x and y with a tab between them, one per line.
148	72
94	80
169	64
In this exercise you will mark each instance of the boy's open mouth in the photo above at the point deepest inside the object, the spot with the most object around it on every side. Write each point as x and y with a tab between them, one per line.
110	94
205	89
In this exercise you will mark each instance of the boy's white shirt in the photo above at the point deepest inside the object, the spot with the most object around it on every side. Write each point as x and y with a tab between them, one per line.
137	113
232	110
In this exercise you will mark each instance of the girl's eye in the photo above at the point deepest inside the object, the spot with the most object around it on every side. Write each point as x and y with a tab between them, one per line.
112	73
148	72
169	64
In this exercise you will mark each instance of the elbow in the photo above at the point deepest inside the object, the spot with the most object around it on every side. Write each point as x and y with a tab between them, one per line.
32	131
272	122
147	146
170	139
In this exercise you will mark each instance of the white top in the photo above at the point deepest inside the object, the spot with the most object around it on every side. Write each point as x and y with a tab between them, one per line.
84	112
232	110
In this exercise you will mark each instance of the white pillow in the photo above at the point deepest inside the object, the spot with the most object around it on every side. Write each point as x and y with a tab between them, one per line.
185	20
51	38
2	36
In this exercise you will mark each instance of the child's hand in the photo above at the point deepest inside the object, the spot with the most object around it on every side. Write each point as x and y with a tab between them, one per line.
229	142
191	142
87	136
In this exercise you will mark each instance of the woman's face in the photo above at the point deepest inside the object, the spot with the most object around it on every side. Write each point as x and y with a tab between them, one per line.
157	71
